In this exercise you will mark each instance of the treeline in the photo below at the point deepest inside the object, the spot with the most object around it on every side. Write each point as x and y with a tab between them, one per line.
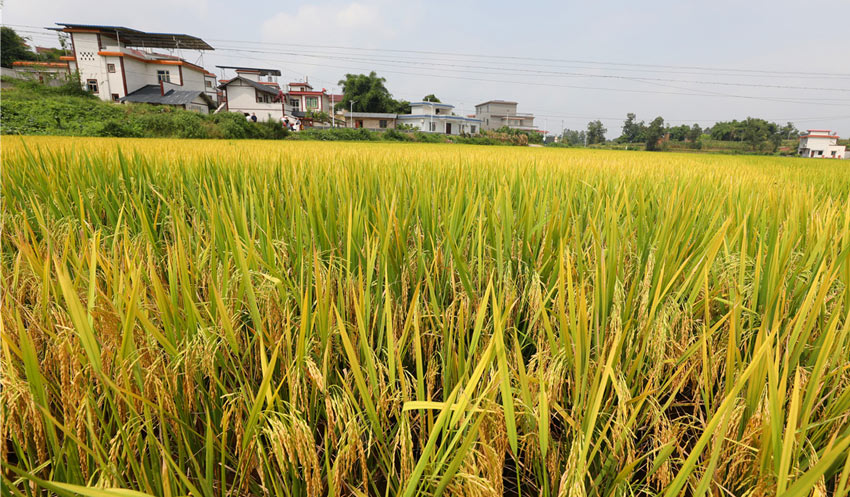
758	134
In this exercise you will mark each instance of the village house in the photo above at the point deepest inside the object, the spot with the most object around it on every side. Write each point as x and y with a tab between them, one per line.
48	73
821	144
118	64
255	90
495	114
436	117
302	98
375	121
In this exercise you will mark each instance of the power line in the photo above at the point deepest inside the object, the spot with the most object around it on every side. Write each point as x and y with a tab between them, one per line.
550	73
545	59
687	92
523	59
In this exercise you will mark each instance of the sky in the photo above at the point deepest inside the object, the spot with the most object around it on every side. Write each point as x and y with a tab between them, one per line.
566	62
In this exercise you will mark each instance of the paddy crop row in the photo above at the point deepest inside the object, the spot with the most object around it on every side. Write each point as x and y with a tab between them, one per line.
256	318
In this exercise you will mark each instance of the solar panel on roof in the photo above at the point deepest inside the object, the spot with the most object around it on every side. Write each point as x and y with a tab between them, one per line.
135	38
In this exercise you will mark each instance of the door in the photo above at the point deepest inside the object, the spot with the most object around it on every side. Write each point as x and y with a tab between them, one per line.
448	128
358	123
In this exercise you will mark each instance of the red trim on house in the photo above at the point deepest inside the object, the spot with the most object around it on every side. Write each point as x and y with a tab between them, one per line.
39	64
820	136
123	76
307	93
168	62
67	57
827	130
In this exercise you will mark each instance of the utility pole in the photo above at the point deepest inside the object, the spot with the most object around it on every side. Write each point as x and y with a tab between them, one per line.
352	112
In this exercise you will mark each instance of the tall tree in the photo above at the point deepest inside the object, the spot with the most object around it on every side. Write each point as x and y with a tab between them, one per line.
694	133
595	132
14	47
654	133
632	130
431	98
369	94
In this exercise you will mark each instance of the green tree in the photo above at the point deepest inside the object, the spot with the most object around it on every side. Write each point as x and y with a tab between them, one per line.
573	137
431	98
595	132
694	133
369	94
633	131
14	47
654	134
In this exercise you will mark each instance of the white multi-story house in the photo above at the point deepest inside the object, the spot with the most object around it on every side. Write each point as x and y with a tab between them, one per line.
436	117
114	62
822	144
302	99
255	90
495	114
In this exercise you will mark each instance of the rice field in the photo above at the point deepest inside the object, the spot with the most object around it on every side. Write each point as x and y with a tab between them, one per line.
224	319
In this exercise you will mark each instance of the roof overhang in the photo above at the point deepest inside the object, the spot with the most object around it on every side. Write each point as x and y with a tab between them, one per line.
260	70
135	38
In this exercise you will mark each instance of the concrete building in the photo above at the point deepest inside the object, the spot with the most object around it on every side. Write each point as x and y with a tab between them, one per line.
302	99
256	91
495	114
48	73
821	144
375	121
114	61
435	117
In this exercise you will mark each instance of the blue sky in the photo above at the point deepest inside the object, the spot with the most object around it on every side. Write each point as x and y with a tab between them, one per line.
567	62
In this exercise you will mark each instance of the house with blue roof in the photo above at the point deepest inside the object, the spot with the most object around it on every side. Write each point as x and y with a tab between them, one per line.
434	117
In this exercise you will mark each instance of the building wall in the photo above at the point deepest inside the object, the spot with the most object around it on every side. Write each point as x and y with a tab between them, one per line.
90	64
370	122
243	98
458	126
192	78
137	74
210	88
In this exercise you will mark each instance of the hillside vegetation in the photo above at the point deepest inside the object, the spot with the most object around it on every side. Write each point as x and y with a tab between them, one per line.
29	108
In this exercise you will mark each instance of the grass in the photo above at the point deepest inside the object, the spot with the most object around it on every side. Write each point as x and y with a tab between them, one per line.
301	318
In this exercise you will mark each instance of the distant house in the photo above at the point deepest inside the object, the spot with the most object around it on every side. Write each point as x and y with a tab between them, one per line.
375	121
436	117
821	144
495	114
112	69
48	73
174	95
302	98
256	91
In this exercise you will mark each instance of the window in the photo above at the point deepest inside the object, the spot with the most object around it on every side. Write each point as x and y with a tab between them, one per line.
472	129
208	84
436	111
91	85
110	67
163	76
115	97
382	123
433	127
294	102
311	103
